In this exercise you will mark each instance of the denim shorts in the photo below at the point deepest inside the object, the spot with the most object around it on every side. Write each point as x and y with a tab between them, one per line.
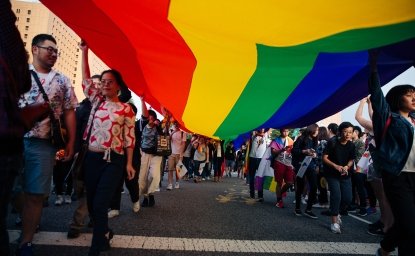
39	159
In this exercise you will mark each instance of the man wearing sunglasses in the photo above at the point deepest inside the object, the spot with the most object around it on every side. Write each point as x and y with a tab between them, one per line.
39	153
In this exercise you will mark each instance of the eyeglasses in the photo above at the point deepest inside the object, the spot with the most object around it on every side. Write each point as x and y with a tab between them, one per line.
50	49
106	81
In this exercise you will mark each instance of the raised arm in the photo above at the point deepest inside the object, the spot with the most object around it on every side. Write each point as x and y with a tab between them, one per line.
359	116
144	110
85	63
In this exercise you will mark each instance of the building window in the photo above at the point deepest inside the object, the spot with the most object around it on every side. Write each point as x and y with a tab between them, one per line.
28	20
29	12
17	18
18	11
25	36
75	69
26	28
24	43
74	75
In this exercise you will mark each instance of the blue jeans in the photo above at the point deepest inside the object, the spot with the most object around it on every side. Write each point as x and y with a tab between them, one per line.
101	180
340	193
9	167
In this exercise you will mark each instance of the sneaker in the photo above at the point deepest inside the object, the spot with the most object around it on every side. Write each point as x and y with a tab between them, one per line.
113	213
376	225
280	204
169	187
260	200
375	232
145	202
136	206
335	228
362	212
310	214
298	212
352	208
59	200
371	210
177	185
67	199
25	250
73	233
339	220
157	189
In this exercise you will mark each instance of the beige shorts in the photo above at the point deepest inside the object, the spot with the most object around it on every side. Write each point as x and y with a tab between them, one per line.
172	161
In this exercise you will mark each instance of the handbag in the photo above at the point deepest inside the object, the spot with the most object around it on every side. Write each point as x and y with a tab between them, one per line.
163	147
58	132
77	169
33	113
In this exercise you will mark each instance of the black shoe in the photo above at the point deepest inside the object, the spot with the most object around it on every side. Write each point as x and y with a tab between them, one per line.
25	250
377	225
260	200
145	202
375	232
362	212
344	213
298	212
151	201
73	233
107	245
310	214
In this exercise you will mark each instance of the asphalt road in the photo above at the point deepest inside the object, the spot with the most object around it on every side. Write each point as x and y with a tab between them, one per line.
207	219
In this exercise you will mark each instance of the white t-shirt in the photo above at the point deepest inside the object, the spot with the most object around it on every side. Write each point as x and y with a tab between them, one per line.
410	162
178	141
258	146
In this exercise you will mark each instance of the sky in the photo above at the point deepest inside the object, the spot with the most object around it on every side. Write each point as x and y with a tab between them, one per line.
407	77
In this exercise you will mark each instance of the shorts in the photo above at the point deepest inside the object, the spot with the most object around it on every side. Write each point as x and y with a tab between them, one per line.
39	159
172	161
230	163
283	172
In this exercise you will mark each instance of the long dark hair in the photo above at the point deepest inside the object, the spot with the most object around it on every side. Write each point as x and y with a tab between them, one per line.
394	96
323	133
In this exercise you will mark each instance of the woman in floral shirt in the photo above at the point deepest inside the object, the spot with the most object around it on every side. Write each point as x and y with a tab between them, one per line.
110	147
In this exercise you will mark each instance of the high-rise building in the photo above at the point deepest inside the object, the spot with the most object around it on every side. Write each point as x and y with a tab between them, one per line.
34	18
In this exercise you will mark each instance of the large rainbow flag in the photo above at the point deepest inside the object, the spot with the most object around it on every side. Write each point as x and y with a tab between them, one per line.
224	68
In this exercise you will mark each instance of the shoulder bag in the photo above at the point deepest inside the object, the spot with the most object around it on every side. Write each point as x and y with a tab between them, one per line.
58	132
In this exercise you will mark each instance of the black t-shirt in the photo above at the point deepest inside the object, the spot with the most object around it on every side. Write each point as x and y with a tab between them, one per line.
339	154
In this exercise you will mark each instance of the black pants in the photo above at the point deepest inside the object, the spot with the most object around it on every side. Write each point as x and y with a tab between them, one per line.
253	167
400	191
311	176
101	180
60	172
132	186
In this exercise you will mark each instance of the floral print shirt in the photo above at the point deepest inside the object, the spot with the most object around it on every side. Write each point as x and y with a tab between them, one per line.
61	97
113	122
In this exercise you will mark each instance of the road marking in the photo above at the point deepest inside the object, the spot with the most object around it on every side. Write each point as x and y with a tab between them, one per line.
208	245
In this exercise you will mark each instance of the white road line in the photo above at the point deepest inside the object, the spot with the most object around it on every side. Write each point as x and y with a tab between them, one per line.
358	218
210	245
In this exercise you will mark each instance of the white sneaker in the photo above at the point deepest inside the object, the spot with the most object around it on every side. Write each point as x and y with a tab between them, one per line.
169	187
136	206
113	213
59	200
335	228
68	199
339	220
177	185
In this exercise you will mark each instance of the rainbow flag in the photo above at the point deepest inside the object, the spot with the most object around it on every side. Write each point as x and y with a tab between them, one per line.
224	68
